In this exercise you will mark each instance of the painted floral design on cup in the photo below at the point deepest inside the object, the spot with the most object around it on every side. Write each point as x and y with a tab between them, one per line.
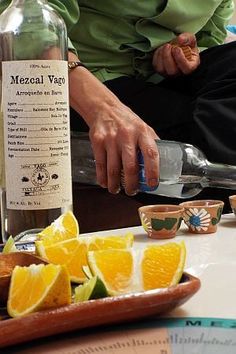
202	216
197	219
161	221
146	224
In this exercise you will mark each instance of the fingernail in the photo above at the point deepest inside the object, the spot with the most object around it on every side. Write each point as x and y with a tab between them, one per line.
131	194
185	40
117	191
114	190
153	182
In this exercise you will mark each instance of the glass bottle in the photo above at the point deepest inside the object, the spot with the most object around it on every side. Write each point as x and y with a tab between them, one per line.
36	182
184	169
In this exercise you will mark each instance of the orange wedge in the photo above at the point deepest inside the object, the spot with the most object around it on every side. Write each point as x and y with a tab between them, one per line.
38	287
73	252
127	270
63	228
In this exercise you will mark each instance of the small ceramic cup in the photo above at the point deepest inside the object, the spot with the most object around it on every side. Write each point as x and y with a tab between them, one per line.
202	216
161	221
232	200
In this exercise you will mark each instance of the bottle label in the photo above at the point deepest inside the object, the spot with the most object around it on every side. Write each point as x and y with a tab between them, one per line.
36	134
143	187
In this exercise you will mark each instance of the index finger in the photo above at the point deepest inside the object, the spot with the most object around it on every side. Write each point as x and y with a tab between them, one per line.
150	157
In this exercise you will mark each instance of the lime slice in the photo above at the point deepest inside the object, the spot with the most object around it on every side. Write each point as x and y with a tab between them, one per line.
10	246
87	272
94	288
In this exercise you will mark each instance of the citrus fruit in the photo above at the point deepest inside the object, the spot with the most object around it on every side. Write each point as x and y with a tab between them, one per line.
38	287
162	265
63	228
10	246
93	288
127	270
73	252
106	242
115	267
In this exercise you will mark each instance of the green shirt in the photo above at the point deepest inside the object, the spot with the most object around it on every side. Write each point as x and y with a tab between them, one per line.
117	37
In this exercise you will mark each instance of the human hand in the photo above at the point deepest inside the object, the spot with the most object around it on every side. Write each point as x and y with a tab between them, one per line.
169	60
116	135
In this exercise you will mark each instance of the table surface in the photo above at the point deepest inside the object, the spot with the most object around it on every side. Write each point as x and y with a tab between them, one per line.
210	257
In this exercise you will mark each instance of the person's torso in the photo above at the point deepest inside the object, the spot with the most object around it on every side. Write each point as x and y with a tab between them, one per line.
117	37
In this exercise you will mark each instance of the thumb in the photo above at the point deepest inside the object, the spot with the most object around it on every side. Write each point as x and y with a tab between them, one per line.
186	38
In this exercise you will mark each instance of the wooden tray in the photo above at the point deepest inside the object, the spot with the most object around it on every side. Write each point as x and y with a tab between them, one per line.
97	312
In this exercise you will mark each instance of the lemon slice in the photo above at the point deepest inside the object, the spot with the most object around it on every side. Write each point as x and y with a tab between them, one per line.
94	288
38	287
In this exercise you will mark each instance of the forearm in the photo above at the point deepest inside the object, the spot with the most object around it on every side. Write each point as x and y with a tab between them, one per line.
88	95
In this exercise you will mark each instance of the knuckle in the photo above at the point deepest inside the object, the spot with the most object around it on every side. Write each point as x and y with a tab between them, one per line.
98	139
127	131
131	169
100	166
151	152
114	172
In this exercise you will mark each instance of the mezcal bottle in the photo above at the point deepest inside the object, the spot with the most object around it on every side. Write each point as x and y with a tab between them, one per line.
36	182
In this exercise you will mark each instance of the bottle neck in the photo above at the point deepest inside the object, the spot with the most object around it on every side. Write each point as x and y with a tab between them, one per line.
220	175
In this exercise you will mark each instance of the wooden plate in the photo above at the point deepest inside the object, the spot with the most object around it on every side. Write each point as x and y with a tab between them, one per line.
7	263
97	312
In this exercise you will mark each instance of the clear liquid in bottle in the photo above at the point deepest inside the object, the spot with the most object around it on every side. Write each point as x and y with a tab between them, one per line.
184	170
36	183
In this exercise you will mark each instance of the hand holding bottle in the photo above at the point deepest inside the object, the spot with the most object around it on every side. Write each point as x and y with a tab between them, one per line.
115	143
169	60
184	169
116	133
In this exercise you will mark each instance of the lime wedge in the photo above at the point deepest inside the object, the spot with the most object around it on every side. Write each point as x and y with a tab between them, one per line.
10	246
91	289
87	272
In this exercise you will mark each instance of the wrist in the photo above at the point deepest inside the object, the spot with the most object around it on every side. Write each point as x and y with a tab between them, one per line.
75	64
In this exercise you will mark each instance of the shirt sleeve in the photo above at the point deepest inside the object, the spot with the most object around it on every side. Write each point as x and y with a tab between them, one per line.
214	32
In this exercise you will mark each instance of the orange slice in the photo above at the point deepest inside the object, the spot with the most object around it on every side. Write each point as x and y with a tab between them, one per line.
73	252
125	271
38	287
63	228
